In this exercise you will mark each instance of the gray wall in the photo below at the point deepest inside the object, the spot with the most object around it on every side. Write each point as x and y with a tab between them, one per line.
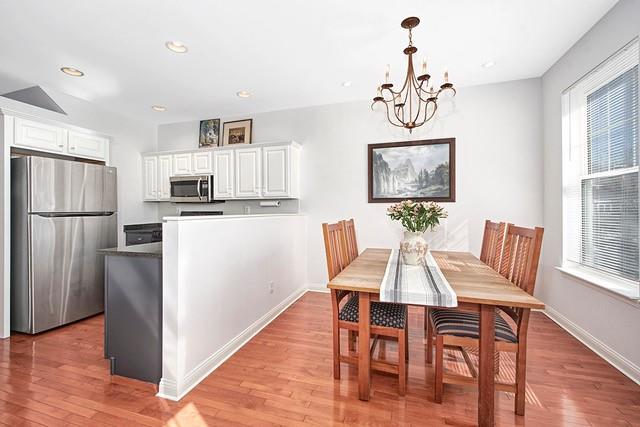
607	319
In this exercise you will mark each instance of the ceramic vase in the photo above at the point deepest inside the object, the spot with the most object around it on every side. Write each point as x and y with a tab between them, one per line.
413	248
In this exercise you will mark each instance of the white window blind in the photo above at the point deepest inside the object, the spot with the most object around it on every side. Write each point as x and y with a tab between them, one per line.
600	168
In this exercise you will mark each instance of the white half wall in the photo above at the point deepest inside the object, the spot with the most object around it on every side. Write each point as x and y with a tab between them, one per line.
498	166
224	279
612	322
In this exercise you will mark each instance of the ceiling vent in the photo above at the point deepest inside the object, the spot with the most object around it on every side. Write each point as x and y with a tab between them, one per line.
35	96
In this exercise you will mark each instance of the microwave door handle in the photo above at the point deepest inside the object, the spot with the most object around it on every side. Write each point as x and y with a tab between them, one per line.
210	197
198	188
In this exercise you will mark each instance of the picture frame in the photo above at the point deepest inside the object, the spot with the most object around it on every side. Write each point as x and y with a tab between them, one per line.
237	132
422	170
209	135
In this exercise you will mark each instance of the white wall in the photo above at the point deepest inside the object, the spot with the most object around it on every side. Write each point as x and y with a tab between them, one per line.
499	162
609	320
216	275
129	138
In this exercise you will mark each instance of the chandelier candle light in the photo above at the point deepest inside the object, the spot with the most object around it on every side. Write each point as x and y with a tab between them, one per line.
413	105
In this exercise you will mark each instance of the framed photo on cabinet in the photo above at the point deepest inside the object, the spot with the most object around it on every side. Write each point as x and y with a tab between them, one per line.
209	133
238	132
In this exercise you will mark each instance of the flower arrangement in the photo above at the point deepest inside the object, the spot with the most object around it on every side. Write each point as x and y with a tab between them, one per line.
417	217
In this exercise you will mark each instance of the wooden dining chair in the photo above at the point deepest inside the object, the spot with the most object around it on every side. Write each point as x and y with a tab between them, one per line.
351	242
387	320
490	252
492	243
454	328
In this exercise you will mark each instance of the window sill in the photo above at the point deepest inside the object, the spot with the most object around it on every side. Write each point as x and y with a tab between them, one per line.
623	291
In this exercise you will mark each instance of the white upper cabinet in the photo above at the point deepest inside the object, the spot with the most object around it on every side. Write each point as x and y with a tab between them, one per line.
165	165
223	180
39	136
276	172
182	164
85	145
248	173
150	177
52	138
202	163
198	163
260	171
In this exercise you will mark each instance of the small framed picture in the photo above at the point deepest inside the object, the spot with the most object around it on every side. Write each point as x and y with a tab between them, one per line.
238	132
209	133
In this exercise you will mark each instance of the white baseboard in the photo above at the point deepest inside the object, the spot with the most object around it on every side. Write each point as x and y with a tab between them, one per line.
168	389
614	358
317	287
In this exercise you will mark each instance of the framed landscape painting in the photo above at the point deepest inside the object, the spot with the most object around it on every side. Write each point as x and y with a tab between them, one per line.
416	170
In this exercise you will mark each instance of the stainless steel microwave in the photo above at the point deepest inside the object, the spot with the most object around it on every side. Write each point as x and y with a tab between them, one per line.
192	189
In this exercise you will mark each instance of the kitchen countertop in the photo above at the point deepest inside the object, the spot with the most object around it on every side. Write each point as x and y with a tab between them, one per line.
146	250
223	217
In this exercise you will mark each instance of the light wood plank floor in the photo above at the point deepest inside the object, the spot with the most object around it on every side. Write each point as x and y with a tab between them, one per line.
283	377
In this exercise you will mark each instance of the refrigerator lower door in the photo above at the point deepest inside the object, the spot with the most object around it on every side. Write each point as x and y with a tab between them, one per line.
66	272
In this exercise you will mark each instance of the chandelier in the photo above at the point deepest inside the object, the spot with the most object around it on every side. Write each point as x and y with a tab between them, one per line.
416	102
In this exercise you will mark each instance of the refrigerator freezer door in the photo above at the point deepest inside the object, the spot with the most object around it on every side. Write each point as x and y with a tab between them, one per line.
65	186
67	274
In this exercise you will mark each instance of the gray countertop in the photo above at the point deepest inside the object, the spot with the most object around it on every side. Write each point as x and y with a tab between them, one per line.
146	250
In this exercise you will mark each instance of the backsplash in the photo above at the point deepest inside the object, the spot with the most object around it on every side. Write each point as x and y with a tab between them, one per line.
230	207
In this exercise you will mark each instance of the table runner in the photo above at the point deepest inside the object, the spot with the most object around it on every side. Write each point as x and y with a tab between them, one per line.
416	284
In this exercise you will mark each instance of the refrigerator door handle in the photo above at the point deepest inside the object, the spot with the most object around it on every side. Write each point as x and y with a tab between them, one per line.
70	214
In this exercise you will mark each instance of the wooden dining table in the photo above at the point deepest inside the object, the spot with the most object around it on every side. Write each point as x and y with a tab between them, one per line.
478	288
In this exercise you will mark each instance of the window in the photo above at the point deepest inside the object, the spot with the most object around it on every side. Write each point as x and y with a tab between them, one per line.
600	170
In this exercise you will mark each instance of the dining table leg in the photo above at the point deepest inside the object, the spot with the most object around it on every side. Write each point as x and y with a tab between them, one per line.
486	368
364	336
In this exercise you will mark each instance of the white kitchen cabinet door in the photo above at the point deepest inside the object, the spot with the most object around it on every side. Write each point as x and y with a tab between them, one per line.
150	171
85	145
165	165
202	163
223	179
39	136
276	167
182	164
248	173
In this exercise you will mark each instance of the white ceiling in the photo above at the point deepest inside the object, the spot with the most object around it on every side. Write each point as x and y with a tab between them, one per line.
287	53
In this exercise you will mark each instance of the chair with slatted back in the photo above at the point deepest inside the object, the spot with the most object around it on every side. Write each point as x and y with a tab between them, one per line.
350	239
454	328
492	242
387	320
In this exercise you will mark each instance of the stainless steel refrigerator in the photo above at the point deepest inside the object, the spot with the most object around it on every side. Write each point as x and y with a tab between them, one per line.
62	212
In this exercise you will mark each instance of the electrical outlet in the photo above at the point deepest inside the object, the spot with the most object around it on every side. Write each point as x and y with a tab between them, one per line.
272	287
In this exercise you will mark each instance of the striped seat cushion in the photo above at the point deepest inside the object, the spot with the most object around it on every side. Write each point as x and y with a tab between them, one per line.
382	313
467	324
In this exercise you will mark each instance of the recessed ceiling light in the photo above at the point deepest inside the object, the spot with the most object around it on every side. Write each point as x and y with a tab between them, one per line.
175	46
346	83
72	71
488	64
158	108
243	94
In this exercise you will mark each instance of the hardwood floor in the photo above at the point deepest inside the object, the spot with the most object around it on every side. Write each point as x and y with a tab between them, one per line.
283	376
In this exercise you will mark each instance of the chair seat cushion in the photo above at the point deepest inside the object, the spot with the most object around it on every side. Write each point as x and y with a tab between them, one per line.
467	324
382	313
